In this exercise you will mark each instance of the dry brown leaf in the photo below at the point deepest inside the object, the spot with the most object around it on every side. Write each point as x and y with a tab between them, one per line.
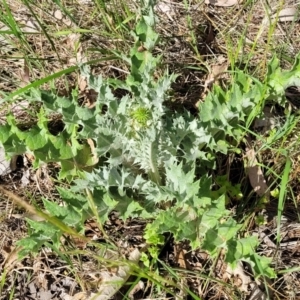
24	75
238	277
111	283
257	293
7	166
67	21
80	243
31	26
91	98
216	71
78	296
256	176
138	287
45	295
58	14
288	14
11	258
224	3
42	176
93	151
85	2
41	278
179	256
165	8
82	83
73	43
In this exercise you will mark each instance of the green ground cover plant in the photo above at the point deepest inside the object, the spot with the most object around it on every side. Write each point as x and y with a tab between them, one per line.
154	162
136	156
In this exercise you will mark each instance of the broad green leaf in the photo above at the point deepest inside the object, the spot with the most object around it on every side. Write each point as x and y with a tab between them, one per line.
84	113
64	146
54	209
5	132
46	229
13	145
240	248
84	157
74	217
35	140
261	265
68	170
72	198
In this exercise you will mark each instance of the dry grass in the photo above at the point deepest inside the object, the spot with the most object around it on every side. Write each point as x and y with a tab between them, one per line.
40	39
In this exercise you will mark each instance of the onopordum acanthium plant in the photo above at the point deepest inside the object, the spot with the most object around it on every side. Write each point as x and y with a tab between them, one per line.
151	163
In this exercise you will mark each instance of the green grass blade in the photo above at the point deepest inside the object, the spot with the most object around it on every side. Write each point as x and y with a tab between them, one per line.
282	195
42	27
44	80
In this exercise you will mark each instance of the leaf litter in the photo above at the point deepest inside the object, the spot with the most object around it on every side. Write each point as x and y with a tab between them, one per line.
256	176
223	3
